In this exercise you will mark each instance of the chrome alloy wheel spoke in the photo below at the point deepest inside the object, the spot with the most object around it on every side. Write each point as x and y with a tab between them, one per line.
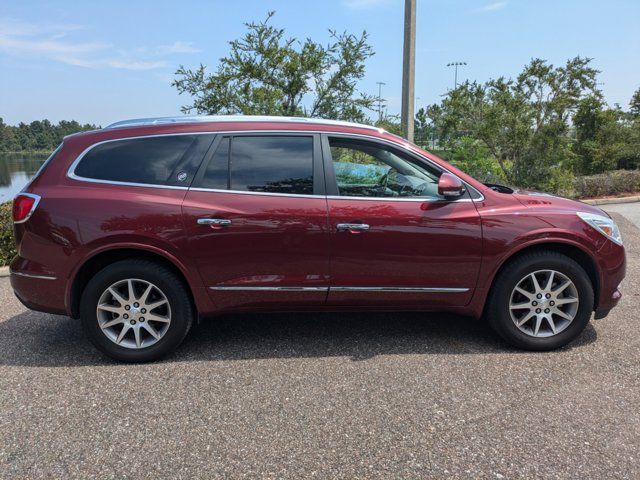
133	313
543	303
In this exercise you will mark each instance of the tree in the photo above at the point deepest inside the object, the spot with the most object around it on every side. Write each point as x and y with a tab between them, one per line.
422	127
266	73
635	104
8	142
524	123
38	135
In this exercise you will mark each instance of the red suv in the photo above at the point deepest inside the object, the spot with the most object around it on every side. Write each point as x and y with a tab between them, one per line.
143	227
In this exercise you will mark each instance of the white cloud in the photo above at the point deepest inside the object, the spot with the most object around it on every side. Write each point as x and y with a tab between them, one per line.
123	64
492	7
176	47
13	27
362	4
21	39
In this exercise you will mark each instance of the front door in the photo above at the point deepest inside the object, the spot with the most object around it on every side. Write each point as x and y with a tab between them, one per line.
256	217
394	240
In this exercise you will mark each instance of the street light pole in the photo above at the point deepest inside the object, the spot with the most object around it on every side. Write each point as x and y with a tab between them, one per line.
456	65
380	84
408	69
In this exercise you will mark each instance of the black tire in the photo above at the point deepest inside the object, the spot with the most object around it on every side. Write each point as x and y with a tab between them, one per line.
497	309
182	310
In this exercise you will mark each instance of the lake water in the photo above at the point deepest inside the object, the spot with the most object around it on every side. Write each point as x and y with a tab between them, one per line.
15	172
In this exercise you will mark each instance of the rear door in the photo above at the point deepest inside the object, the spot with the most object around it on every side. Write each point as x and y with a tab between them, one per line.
394	240
256	217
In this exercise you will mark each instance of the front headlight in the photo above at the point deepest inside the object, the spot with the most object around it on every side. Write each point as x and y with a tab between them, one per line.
604	225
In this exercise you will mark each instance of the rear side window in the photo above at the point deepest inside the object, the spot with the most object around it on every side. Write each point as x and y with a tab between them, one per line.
216	176
164	160
274	164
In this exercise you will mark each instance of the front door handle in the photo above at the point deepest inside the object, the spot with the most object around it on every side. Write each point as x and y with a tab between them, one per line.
214	222
352	227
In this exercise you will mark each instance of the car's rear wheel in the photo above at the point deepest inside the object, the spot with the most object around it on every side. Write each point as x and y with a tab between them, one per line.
540	301
136	310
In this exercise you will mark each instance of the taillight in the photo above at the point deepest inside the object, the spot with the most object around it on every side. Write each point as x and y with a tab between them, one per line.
23	206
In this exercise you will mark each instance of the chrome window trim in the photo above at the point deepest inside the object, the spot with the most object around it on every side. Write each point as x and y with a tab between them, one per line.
412	153
72	175
405	199
71	172
342	289
31	275
33	207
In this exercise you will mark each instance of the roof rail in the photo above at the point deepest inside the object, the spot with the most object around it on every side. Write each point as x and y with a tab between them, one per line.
135	122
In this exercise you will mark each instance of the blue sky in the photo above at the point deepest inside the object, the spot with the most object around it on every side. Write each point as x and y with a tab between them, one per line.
104	61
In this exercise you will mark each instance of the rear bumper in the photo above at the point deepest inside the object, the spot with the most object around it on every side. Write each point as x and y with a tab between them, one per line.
43	293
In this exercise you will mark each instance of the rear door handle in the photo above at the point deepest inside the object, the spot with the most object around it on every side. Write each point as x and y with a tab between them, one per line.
353	227
214	222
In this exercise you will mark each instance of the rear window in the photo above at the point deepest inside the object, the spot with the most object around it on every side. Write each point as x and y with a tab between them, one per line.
164	160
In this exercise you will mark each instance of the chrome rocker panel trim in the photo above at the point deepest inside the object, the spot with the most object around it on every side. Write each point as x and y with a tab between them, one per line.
342	289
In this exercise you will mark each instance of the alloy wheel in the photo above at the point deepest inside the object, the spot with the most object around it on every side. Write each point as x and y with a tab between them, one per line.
134	313
543	303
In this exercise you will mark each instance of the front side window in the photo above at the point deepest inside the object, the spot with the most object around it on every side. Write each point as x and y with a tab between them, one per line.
163	160
274	164
367	169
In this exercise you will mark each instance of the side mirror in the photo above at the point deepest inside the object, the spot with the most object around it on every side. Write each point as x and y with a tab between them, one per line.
450	186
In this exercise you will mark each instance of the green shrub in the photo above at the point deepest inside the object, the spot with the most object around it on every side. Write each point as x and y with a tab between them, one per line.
611	183
7	242
473	158
560	182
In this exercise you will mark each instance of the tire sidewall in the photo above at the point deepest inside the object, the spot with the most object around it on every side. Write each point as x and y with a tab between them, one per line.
171	286
500	316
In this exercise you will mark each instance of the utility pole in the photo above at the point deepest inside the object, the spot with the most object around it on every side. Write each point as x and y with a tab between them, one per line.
408	69
380	84
456	65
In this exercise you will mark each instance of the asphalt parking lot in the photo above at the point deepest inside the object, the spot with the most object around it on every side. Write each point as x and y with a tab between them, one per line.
326	396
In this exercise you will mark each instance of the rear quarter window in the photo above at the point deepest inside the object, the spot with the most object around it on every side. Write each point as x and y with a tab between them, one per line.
164	160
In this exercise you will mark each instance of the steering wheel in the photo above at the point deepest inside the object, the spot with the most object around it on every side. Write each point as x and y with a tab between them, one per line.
384	181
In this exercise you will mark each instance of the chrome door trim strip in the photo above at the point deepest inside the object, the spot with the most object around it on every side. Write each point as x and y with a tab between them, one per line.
71	171
271	289
31	275
400	289
342	289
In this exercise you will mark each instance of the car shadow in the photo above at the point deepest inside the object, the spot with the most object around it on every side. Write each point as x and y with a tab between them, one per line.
41	340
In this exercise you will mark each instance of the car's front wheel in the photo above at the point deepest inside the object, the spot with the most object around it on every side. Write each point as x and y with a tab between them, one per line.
136	310
541	301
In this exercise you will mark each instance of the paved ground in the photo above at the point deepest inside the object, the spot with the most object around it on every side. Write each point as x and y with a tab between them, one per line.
324	396
630	210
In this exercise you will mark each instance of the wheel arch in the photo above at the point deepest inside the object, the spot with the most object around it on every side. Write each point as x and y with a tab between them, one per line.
576	253
101	259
